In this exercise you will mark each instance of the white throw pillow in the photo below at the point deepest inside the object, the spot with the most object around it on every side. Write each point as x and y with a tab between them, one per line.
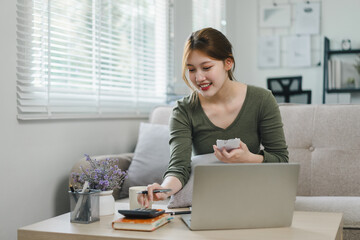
183	198
151	157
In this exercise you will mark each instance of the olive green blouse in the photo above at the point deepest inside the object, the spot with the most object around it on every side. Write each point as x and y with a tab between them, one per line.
192	132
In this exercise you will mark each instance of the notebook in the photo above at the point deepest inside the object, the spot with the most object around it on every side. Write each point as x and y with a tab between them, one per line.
138	224
234	196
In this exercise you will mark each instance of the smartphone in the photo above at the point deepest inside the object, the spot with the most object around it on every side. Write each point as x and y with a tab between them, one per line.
228	144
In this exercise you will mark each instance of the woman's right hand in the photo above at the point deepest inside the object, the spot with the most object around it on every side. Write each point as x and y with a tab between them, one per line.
145	199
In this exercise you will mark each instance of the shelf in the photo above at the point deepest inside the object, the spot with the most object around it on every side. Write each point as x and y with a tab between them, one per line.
291	92
343	90
327	54
344	51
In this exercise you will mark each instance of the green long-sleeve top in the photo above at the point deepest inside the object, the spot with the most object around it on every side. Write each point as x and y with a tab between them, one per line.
258	122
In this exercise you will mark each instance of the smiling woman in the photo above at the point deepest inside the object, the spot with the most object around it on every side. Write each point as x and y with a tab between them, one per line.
218	108
210	45
206	73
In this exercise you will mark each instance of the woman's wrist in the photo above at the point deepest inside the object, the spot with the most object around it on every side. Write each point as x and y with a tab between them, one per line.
173	183
256	158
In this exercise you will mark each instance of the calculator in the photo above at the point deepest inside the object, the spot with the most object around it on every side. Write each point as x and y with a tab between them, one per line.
142	213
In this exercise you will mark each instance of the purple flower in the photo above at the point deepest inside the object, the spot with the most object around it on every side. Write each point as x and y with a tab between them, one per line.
103	175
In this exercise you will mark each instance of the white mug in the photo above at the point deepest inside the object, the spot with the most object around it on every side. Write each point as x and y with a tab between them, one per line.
133	193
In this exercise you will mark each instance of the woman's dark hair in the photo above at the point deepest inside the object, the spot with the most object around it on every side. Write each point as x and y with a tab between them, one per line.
212	43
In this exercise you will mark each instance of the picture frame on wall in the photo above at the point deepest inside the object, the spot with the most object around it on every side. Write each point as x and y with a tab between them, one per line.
307	18
269	52
298	52
272	15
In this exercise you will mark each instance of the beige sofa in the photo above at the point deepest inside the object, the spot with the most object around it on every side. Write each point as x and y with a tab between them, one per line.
325	140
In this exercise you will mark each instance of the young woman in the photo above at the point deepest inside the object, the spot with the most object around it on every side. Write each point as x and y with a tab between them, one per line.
218	108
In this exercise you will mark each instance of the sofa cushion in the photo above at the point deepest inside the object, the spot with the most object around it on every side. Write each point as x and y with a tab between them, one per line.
298	127
302	156
337	126
151	157
161	115
335	161
183	198
349	206
335	172
325	140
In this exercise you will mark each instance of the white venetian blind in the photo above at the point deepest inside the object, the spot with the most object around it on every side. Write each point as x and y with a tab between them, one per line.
209	13
92	58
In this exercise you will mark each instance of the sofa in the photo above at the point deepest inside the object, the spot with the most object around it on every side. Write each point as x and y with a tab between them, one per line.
324	139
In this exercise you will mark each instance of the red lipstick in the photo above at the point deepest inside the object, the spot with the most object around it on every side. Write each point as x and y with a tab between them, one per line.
206	87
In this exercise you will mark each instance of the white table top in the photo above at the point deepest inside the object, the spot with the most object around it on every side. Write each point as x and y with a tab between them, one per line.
306	225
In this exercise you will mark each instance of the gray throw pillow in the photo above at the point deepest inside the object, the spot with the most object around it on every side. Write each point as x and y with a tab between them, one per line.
183	198
151	157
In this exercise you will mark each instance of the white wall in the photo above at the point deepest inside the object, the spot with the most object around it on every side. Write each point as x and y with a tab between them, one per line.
37	156
339	20
182	30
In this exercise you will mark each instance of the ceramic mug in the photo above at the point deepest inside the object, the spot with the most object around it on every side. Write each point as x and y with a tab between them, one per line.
133	193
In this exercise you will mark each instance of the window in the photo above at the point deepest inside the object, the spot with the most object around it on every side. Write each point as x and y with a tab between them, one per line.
87	58
209	13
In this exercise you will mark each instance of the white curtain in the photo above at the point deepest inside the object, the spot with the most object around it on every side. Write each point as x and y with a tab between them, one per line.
92	58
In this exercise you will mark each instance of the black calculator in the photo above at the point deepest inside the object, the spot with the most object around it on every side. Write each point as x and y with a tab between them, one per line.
142	213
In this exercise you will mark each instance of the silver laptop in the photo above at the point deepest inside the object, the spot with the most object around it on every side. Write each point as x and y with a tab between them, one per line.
233	196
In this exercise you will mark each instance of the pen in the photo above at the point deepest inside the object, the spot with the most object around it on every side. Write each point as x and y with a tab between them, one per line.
80	202
179	212
73	191
155	191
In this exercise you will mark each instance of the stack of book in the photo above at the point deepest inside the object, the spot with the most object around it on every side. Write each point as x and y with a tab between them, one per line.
147	224
342	74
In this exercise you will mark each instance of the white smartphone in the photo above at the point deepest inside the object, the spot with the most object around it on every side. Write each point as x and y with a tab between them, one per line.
228	144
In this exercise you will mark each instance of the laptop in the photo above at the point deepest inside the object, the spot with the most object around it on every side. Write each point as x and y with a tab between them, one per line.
236	196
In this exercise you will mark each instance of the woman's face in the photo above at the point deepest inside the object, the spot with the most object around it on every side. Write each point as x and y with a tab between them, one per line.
208	75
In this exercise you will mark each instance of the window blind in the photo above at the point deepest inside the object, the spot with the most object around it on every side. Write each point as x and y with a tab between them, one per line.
92	58
209	13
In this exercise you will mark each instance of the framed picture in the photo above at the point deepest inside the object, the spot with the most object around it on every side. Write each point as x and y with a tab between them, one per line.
298	52
307	18
275	15
269	52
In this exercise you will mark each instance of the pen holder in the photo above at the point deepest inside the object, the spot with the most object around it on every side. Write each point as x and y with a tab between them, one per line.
84	207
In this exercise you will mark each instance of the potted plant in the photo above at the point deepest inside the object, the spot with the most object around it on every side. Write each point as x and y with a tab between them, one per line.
102	175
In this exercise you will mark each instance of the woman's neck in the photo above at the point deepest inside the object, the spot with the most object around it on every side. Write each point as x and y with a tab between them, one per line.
228	92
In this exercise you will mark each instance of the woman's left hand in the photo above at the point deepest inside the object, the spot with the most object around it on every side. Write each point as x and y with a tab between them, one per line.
237	155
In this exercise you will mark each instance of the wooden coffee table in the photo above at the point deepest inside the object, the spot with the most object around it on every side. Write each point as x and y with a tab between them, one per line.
306	225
